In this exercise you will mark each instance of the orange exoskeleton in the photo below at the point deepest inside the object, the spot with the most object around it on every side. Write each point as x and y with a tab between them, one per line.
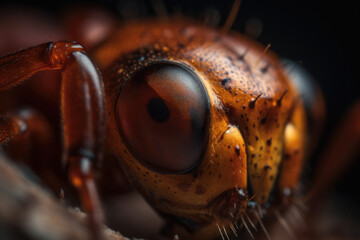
207	126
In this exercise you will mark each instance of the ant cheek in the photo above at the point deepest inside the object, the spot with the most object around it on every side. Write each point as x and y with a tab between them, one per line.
225	161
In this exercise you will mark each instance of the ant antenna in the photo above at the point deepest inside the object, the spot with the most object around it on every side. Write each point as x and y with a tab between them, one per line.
231	19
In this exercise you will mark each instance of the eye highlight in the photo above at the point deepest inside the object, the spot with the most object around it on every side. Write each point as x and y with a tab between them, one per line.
163	115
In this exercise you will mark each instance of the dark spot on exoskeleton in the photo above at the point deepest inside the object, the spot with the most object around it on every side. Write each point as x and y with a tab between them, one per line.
210	173
252	155
253	176
168	188
226	84
228	146
265	68
256	138
287	156
247	119
237	150
144	175
267	167
296	151
244	107
242	56
147	172
155	182
268	141
246	129
254	125
263	120
201	59
271	177
219	175
255	165
252	102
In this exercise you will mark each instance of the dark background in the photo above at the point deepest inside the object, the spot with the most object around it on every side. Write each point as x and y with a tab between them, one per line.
320	35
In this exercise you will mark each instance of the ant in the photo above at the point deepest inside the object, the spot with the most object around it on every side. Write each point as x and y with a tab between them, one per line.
206	123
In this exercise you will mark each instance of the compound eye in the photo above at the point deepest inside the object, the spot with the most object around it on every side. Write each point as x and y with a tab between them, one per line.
163	114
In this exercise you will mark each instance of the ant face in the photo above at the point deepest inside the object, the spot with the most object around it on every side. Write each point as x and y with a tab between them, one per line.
202	119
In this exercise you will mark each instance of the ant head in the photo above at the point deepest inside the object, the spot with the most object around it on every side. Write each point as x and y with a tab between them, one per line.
197	118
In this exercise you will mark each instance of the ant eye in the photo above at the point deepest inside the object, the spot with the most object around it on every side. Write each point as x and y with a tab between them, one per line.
163	114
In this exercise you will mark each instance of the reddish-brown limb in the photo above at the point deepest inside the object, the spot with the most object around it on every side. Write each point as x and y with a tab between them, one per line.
82	111
11	127
338	154
25	120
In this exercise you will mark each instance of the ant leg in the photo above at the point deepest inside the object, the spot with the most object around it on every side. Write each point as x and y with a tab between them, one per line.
10	127
24	121
82	111
339	153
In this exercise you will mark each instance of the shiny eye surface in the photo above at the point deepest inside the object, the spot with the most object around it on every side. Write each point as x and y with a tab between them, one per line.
163	115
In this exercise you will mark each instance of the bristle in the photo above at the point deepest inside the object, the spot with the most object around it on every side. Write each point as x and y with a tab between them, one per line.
251	222
227	236
262	226
246	226
252	102
232	16
233	229
284	224
222	236
278	102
